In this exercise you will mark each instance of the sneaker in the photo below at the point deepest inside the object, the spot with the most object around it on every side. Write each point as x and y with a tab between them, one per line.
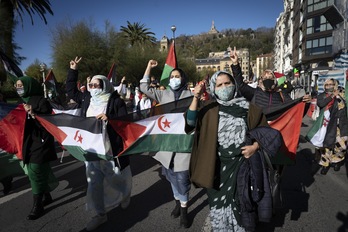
125	203
96	221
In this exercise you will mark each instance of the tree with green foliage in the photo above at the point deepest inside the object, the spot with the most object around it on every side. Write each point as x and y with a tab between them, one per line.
99	50
137	34
8	9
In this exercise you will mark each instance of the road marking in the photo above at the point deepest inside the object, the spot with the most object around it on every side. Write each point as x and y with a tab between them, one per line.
13	195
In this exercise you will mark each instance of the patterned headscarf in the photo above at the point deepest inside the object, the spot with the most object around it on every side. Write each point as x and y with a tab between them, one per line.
212	85
31	88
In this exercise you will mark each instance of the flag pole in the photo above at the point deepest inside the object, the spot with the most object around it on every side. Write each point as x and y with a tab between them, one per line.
43	67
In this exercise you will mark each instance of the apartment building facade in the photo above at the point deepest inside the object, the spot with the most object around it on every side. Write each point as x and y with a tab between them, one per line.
318	30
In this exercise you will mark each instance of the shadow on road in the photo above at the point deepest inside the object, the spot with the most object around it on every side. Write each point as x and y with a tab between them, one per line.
344	219
295	179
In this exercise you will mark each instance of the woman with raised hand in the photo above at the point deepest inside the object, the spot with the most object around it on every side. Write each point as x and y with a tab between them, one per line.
109	181
175	165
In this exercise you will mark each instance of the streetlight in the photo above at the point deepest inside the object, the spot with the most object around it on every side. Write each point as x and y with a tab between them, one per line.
227	68
42	69
249	64
173	28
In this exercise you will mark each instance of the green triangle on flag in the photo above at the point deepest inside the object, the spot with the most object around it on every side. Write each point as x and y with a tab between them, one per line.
280	77
169	65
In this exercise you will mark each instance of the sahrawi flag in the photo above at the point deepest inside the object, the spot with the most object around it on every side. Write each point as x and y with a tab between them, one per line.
160	128
112	73
72	109
170	64
316	134
287	118
51	83
84	138
12	123
281	78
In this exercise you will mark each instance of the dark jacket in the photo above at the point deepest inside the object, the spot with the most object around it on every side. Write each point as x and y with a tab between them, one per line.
82	98
116	107
253	183
38	144
323	100
263	99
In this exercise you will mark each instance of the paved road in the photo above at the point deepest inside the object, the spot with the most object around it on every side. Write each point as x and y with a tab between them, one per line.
312	202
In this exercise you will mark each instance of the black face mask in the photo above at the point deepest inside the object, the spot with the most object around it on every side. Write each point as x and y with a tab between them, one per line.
268	83
329	89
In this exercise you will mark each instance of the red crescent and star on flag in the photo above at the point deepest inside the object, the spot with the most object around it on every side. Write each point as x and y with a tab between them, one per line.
165	123
78	137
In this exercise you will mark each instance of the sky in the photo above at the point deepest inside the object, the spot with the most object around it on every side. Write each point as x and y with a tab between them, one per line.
190	18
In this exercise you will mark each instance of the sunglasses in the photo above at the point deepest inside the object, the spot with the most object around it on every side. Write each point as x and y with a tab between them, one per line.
93	85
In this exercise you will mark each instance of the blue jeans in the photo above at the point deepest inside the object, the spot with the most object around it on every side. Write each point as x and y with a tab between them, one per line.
180	183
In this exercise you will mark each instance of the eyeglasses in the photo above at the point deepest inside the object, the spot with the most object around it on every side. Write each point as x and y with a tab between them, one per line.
330	84
93	85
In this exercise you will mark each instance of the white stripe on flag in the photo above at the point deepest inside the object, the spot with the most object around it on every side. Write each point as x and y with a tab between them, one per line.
76	112
86	140
173	123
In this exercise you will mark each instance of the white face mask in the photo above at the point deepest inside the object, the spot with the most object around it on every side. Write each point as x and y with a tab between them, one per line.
20	91
175	83
95	92
50	95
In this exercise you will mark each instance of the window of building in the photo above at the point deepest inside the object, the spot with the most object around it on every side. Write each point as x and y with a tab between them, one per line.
319	46
317	24
313	5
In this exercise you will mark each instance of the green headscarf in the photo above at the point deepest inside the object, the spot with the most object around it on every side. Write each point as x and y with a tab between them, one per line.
31	88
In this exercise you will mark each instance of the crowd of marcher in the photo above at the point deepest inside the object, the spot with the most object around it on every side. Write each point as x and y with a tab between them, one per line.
232	147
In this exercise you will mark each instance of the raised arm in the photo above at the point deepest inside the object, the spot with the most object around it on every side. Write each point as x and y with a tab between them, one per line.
120	87
71	82
244	89
145	82
324	99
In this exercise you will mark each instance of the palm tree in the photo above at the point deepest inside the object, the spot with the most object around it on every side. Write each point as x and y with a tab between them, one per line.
136	33
194	51
8	10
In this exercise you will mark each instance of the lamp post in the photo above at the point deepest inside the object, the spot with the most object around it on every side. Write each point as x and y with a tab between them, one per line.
173	28
42	69
227	68
249	56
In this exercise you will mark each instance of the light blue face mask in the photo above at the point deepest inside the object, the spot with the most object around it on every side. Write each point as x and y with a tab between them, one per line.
175	83
226	93
95	92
